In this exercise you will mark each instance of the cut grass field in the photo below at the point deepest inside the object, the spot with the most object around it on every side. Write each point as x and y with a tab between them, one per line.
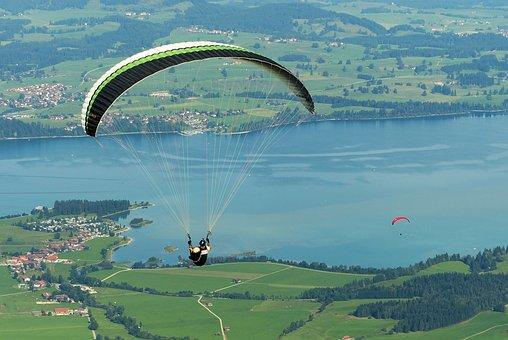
21	327
335	322
164	315
184	316
7	283
265	319
502	267
108	328
24	302
485	325
93	254
16	239
443	267
258	278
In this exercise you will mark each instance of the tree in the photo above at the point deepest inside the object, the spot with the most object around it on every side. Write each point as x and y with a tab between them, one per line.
93	325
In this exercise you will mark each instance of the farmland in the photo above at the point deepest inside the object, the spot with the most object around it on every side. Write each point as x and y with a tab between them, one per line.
349	56
258	278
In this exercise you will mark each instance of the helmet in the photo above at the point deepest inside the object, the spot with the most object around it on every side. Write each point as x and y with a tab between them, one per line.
202	243
196	250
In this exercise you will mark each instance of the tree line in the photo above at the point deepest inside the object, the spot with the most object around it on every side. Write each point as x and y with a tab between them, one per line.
78	207
438	300
114	313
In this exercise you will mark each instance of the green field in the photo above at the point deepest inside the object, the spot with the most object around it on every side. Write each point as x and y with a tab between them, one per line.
7	283
26	327
16	239
258	278
443	267
108	328
333	67
486	325
265	319
335	322
502	267
93	254
163	315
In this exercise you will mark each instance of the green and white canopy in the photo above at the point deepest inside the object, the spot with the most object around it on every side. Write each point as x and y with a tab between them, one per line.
132	70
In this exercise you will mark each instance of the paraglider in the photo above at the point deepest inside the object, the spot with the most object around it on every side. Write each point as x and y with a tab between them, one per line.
132	70
400	219
199	254
221	177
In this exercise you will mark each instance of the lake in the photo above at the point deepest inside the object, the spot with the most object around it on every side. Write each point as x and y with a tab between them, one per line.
324	192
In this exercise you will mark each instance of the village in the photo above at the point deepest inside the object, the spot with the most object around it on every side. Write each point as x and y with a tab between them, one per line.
38	96
28	268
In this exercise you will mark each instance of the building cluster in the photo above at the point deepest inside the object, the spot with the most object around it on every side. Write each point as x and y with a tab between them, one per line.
196	29
138	15
88	227
503	31
63	311
84	229
278	40
196	120
37	96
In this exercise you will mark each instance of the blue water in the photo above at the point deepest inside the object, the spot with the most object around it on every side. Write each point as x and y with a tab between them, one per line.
325	192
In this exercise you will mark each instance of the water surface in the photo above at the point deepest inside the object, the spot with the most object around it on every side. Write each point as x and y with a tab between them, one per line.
325	192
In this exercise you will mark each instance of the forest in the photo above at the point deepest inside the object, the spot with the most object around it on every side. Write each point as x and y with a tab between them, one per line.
424	302
101	208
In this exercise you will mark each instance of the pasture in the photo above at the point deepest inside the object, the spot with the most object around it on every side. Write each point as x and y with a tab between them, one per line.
257	278
27	327
164	315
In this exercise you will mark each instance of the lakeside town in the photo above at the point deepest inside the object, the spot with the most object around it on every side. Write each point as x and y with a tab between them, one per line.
30	268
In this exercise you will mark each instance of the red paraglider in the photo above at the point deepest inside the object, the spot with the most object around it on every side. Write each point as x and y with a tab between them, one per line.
400	219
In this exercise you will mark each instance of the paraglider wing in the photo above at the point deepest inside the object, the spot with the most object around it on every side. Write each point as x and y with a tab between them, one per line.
132	70
400	219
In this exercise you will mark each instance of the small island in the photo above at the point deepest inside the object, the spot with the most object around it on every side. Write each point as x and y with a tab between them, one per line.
170	249
139	222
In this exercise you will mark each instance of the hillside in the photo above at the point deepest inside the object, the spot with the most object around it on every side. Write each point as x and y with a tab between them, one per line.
368	60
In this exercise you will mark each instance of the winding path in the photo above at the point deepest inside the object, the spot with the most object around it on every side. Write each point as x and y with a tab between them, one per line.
218	317
484	331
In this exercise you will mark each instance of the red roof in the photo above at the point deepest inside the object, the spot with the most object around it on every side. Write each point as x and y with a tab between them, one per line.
61	310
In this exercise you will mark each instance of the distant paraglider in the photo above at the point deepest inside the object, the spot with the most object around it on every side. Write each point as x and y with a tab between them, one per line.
400	219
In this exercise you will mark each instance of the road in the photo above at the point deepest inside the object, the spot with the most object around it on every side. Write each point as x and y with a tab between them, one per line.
237	284
218	317
110	276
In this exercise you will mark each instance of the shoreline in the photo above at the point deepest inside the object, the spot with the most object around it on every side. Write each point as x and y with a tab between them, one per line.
479	113
118	246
